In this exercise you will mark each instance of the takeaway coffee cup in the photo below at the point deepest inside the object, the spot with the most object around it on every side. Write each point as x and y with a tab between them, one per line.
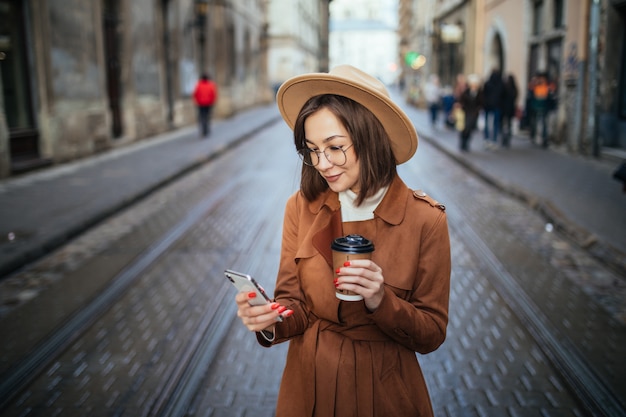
347	248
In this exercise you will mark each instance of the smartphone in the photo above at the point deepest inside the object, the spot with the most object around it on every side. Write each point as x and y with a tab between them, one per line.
244	282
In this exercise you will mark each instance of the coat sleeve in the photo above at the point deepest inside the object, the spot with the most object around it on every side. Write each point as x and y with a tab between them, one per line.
288	291
420	322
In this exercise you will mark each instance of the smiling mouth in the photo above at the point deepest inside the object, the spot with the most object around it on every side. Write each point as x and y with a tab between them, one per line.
332	178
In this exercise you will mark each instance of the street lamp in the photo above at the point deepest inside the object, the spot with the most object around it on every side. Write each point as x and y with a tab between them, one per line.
451	33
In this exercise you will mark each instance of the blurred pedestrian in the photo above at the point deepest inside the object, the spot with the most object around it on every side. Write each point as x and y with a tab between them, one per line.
205	95
432	95
471	102
459	87
447	103
509	109
540	106
527	115
354	358
493	102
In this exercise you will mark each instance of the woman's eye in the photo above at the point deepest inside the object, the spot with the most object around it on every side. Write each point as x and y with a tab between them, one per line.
336	148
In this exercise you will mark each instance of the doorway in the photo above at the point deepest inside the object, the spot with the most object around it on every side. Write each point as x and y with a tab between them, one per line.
111	24
496	55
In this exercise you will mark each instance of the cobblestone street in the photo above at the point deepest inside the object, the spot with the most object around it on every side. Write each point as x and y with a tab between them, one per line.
490	364
155	331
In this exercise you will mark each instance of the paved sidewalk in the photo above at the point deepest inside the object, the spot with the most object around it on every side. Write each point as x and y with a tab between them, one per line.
44	209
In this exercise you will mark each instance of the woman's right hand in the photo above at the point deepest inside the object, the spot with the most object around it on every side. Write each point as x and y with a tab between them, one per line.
257	318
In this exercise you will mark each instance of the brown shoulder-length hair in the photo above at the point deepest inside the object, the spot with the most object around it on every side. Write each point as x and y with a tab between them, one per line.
372	146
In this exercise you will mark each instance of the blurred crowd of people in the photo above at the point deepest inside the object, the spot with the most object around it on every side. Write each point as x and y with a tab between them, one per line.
496	99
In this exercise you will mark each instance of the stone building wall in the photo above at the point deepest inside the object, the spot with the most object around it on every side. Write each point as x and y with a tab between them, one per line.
107	73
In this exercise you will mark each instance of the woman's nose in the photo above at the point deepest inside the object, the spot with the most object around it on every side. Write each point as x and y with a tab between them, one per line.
324	163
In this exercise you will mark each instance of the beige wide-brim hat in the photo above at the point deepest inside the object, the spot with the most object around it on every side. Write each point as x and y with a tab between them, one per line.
350	82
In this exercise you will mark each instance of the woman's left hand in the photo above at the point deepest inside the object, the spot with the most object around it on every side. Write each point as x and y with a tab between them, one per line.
365	278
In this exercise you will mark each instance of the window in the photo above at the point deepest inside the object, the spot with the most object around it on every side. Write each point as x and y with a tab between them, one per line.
537	17
558	14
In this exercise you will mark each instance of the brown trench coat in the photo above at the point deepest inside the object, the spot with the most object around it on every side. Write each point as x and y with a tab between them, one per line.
342	359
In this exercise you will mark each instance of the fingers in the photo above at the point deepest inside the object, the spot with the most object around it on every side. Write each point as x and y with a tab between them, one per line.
260	317
363	268
365	264
361	276
244	297
365	278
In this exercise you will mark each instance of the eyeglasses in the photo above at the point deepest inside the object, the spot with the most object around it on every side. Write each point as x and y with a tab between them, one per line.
336	155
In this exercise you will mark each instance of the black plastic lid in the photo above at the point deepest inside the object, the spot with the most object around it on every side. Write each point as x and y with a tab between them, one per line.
352	244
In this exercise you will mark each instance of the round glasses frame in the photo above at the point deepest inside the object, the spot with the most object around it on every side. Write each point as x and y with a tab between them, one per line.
330	153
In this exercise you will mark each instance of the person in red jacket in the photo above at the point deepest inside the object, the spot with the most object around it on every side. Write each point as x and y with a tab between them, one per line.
205	95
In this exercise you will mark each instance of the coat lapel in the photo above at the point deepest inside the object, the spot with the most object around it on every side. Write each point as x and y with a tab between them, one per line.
325	236
391	210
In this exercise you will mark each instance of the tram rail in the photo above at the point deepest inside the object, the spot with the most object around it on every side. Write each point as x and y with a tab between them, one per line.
178	385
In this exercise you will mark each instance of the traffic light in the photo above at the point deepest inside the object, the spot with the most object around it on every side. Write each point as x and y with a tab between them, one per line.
414	60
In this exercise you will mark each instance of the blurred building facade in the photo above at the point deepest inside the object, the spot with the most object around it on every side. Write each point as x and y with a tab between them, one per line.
581	44
416	58
364	33
298	38
81	77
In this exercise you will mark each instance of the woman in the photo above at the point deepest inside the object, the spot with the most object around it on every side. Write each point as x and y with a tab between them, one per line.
493	102
354	358
509	110
432	94
471	102
205	96
459	87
